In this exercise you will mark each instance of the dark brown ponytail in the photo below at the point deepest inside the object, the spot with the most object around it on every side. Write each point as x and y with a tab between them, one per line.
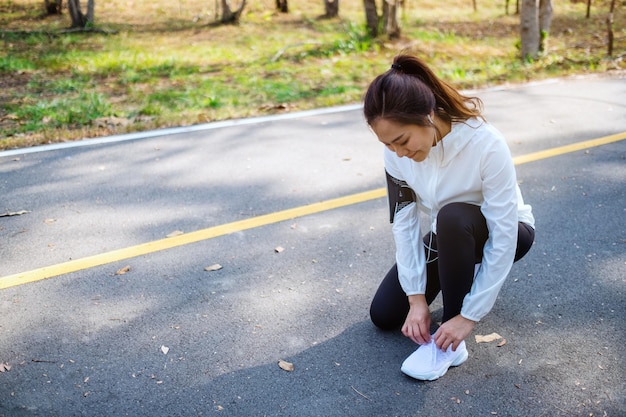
409	91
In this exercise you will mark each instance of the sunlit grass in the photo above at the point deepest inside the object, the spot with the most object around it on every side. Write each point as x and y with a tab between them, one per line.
164	65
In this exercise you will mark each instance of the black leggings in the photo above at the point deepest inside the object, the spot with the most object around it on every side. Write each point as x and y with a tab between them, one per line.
457	246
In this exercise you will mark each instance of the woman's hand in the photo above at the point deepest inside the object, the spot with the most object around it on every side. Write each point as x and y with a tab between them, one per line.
453	332
417	324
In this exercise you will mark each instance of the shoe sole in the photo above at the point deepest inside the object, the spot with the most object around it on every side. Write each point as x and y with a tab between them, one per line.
437	373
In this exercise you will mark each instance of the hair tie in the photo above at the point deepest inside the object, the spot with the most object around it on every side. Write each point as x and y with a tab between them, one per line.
397	67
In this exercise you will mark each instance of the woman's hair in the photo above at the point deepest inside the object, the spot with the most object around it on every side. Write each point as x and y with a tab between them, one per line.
408	93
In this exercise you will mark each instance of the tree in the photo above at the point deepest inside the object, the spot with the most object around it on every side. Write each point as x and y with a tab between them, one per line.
609	24
389	18
391	27
282	6
371	17
529	29
79	19
228	15
53	6
545	20
331	8
506	7
535	20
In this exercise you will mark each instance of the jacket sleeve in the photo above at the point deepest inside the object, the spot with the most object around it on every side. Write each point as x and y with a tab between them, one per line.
499	187
404	215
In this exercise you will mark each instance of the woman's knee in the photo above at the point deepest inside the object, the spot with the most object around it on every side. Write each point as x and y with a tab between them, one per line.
384	321
458	217
385	316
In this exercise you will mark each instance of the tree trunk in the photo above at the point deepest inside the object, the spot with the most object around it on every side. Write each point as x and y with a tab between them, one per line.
80	20
91	9
390	19
588	9
53	6
529	29
332	8
282	6
371	17
545	20
506	7
228	15
609	24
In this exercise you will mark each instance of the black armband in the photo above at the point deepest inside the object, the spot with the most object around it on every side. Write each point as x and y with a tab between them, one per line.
399	194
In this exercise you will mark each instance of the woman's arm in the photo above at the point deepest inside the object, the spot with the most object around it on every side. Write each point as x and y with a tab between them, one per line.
499	187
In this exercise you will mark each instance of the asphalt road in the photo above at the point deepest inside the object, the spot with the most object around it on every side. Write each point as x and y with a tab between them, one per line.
130	324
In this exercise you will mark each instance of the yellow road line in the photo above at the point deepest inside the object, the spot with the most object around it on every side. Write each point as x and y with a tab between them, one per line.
579	146
184	239
224	229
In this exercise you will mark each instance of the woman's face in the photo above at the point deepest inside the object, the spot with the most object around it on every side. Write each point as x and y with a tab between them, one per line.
406	140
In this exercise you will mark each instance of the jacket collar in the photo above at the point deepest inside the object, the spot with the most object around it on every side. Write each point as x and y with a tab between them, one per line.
455	141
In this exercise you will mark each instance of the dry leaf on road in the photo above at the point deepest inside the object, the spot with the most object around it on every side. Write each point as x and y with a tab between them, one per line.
175	233
165	349
286	366
214	267
4	367
122	271
487	338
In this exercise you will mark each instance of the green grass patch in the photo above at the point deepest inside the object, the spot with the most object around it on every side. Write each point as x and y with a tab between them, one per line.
168	66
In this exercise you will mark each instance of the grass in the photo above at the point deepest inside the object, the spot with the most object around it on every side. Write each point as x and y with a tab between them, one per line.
164	64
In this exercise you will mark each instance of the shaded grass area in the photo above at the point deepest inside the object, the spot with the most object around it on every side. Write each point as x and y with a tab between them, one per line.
163	65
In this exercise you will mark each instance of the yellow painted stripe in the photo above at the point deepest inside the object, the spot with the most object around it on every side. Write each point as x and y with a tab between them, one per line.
184	239
204	234
579	146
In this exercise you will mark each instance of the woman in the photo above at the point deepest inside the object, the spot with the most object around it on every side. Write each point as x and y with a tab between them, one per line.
444	160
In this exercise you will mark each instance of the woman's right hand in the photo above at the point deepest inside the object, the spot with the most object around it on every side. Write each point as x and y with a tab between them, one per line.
417	324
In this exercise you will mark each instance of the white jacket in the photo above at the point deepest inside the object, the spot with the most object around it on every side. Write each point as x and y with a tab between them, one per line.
471	164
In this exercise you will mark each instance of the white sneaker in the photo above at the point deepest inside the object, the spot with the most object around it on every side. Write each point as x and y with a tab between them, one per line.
429	362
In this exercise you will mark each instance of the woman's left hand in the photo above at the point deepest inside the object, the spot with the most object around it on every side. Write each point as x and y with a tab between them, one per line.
453	332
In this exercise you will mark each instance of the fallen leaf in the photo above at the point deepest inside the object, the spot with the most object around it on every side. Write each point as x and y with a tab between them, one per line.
165	349
4	367
487	338
11	116
175	233
502	343
214	267
279	249
122	271
285	366
49	221
14	213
